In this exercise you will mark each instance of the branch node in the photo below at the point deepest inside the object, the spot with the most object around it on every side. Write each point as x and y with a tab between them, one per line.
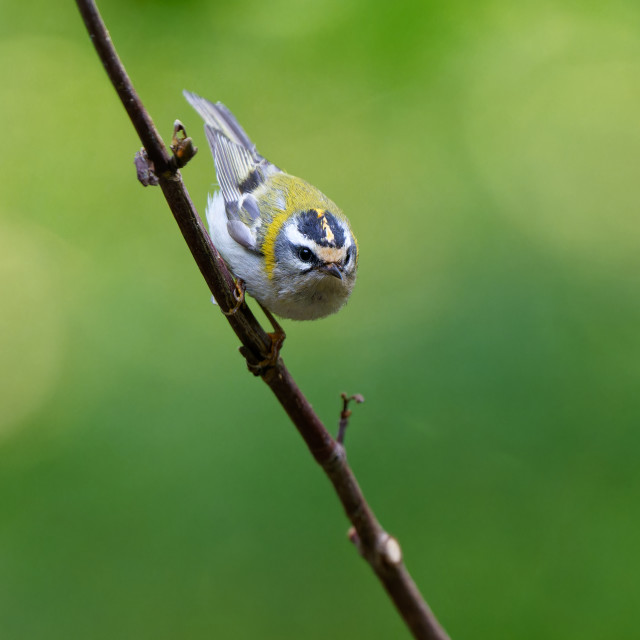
354	538
335	460
390	550
182	147
145	169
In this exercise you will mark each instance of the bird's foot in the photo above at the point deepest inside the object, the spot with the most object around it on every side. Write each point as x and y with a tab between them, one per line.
182	147
238	294
277	339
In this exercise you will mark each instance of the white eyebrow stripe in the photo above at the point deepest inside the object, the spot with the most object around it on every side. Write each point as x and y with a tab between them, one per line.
296	238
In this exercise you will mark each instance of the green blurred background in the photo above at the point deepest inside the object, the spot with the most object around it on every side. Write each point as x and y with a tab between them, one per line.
487	154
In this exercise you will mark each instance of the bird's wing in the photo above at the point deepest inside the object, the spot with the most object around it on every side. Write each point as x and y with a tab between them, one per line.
240	169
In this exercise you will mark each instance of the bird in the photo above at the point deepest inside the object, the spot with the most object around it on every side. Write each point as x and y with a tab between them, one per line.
288	245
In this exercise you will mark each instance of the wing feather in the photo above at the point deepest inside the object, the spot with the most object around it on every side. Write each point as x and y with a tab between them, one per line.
233	163
220	118
242	234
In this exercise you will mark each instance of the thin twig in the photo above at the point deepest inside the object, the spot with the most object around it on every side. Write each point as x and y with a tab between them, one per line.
345	414
376	545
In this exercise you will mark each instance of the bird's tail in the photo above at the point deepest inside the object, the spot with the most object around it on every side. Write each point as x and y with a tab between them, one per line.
222	120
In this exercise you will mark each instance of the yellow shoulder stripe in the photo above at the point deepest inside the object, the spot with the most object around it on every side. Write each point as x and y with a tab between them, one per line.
269	244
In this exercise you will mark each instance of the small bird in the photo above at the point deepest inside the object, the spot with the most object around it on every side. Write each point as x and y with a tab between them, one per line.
292	247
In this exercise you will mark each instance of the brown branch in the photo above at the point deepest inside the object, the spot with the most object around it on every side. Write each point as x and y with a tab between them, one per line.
380	550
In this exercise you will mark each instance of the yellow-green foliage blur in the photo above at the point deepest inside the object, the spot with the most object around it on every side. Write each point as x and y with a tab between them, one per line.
488	157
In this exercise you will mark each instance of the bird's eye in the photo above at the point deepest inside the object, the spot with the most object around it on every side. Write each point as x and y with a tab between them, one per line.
305	254
347	258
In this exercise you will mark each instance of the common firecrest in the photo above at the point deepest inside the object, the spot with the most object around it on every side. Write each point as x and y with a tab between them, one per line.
290	245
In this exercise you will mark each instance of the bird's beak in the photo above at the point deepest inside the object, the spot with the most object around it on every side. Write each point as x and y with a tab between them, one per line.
332	269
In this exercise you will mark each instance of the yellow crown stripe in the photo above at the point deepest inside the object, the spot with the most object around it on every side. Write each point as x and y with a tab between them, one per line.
326	229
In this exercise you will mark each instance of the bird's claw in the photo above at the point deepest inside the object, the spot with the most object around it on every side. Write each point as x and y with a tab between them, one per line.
182	146
238	294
